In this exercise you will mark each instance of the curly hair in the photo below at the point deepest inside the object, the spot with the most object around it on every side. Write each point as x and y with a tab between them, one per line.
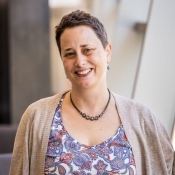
77	18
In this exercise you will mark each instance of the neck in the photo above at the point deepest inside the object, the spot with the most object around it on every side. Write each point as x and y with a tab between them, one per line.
91	117
91	101
86	94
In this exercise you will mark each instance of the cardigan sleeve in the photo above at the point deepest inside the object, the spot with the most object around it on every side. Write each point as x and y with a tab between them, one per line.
167	147
20	158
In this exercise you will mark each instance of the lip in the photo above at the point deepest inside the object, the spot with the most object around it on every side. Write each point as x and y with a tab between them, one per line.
83	75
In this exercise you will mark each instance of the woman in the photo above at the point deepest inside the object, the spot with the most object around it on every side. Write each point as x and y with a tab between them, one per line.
89	129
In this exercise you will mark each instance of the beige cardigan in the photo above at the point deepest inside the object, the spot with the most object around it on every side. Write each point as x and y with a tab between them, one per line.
151	146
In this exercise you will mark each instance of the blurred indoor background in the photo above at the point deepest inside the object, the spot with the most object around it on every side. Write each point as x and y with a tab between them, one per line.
142	33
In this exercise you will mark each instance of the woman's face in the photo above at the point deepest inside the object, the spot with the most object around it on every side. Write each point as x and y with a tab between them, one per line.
84	58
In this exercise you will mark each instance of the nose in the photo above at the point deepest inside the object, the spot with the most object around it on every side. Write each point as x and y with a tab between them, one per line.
80	60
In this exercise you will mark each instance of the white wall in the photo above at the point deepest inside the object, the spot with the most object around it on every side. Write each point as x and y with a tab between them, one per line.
127	44
156	79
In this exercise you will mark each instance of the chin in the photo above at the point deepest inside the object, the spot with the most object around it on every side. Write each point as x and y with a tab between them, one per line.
83	85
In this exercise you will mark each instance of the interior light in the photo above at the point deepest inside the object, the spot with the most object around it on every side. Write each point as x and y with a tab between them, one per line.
63	3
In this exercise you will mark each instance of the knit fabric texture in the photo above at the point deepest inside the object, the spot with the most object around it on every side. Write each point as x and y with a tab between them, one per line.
151	146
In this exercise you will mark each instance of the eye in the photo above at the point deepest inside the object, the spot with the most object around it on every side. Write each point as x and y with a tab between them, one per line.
69	54
88	50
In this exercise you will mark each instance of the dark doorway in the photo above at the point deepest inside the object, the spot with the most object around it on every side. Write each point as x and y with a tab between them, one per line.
4	64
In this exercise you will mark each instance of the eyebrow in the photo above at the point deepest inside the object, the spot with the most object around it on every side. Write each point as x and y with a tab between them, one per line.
68	49
84	45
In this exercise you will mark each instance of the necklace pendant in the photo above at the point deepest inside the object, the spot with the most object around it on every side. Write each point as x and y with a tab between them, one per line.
96	118
91	118
87	117
83	114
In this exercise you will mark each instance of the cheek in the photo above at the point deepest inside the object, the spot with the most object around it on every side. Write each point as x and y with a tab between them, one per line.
95	58
100	60
67	66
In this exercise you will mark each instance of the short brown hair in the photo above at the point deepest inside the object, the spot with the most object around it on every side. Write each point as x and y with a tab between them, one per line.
77	18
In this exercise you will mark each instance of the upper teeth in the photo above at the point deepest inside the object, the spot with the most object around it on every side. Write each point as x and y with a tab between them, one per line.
83	71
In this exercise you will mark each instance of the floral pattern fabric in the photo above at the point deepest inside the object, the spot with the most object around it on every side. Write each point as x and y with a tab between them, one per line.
65	155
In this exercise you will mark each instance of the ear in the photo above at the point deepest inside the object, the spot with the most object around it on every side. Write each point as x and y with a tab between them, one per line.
108	51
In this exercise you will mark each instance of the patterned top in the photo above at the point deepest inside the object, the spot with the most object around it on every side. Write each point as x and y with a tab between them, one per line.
65	155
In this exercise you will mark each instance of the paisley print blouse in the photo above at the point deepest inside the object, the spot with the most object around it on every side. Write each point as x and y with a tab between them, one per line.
65	155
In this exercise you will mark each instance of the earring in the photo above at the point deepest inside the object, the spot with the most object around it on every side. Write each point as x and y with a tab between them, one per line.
108	67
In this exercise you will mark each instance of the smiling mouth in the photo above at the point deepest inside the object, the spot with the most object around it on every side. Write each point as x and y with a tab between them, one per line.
83	72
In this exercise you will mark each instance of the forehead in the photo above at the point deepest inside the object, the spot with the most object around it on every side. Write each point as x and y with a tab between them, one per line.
79	35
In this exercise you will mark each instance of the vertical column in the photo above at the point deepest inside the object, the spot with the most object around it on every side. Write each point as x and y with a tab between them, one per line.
29	53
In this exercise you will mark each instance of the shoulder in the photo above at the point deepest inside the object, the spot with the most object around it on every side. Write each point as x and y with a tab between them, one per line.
46	102
124	103
135	112
138	116
42	106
